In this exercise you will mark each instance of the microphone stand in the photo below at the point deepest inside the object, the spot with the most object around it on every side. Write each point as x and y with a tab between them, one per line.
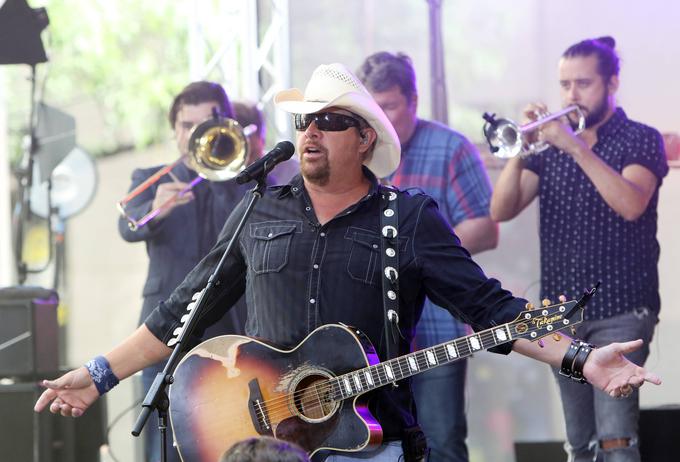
157	397
25	177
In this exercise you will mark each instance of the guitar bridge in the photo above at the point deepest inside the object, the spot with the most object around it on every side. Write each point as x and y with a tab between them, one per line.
258	409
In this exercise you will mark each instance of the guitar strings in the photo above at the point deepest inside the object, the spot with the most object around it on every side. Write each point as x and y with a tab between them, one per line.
323	387
273	411
275	405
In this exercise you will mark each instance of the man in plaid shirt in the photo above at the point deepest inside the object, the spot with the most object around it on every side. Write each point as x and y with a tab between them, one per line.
445	165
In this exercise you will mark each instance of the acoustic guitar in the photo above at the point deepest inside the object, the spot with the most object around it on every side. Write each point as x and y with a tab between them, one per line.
233	387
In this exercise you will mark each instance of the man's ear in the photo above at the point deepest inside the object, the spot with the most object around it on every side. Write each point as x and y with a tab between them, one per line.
367	137
414	101
613	84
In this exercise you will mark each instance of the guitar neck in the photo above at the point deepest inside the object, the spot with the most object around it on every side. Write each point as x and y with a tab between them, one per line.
372	377
530	324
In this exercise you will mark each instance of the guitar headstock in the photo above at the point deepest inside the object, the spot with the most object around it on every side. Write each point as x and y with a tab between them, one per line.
535	323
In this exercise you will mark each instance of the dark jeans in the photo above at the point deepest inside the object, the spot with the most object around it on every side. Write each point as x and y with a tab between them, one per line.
592	415
388	452
440	403
152	436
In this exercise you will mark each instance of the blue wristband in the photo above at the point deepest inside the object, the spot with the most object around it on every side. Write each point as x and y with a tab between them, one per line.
102	375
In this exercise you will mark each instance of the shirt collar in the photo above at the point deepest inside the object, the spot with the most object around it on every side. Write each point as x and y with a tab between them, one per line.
297	185
183	172
294	187
405	146
615	123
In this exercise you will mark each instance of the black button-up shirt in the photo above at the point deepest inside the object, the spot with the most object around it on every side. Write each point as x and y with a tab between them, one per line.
298	275
583	240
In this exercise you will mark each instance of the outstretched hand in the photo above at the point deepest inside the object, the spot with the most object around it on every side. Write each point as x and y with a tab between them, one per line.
70	395
608	369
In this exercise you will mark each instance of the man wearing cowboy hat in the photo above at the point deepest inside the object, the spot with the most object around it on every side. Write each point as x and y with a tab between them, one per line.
310	256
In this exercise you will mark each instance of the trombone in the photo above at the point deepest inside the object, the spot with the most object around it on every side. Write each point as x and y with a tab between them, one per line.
508	139
218	149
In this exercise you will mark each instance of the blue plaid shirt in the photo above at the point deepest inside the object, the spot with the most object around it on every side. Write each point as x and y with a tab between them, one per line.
445	165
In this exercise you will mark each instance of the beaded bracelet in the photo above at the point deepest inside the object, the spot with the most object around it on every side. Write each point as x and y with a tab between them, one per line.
102	375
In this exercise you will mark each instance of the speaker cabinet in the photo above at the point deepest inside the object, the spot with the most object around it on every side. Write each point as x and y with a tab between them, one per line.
660	434
540	451
29	344
28	436
24	435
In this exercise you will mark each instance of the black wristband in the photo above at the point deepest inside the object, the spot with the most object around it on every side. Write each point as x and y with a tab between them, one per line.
569	356
580	361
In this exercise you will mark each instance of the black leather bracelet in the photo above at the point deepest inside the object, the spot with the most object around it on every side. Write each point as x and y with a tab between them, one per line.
580	361
568	361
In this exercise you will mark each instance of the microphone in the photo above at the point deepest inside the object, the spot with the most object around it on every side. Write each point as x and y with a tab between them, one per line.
282	151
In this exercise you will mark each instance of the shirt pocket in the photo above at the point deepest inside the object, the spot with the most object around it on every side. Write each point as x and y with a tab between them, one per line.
363	263
271	245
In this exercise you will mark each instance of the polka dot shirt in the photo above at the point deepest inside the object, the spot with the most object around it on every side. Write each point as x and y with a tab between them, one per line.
583	240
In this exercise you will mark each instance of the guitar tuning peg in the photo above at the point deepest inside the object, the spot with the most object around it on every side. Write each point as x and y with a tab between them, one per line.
573	331
529	306
540	343
562	298
557	337
546	302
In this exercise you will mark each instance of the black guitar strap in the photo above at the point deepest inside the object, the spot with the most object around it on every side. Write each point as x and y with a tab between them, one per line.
413	440
389	251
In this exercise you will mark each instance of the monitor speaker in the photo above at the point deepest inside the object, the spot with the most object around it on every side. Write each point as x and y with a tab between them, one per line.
29	332
28	436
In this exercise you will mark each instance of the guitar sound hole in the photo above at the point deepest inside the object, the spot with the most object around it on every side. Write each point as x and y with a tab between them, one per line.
312	398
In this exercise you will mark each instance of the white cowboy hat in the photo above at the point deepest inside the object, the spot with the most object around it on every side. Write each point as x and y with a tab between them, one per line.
334	85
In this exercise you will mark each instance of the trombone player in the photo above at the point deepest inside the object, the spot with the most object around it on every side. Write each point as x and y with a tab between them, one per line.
187	222
598	194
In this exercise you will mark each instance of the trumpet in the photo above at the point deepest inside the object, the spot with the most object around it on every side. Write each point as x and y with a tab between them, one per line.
218	149
508	139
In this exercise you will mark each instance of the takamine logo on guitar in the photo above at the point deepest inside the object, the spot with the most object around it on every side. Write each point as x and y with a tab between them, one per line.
231	387
546	321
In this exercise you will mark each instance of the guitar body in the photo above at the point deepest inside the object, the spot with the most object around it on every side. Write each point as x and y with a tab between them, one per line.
230	388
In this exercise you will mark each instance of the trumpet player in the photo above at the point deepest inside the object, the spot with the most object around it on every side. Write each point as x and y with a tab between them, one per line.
186	227
598	194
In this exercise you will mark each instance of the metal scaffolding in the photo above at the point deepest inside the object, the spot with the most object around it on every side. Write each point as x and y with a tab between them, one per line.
245	46
437	69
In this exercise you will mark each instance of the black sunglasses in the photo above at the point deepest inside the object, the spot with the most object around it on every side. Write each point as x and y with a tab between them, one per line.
326	121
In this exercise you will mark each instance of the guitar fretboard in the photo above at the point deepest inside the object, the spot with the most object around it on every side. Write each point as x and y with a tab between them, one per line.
372	377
